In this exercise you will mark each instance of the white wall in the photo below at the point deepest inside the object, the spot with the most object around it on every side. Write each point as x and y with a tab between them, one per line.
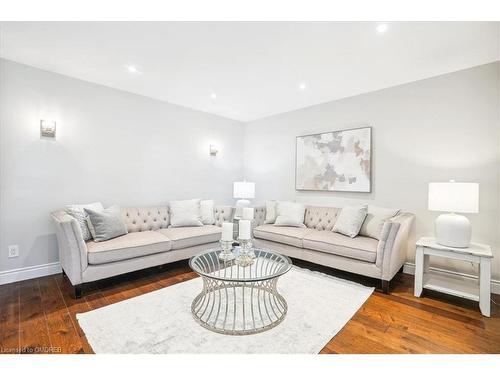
111	146
125	149
431	130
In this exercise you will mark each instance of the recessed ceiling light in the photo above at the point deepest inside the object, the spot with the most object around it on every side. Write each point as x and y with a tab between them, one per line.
382	28
132	69
302	86
213	95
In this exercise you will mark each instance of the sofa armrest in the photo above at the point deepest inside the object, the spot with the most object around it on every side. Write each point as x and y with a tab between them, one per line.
223	214
72	247
393	244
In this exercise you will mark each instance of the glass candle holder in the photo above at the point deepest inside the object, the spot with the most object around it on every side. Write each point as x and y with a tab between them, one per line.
226	254
247	255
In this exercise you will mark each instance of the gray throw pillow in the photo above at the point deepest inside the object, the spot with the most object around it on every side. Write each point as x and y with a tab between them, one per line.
106	224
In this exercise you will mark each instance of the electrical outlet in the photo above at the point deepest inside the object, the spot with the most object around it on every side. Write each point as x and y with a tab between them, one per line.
13	251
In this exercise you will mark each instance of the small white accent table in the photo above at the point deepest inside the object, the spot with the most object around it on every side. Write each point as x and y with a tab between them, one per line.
454	284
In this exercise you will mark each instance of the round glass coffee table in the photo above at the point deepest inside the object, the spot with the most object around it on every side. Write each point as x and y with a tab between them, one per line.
237	300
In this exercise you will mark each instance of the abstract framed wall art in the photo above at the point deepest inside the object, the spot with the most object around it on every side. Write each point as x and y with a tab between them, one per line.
334	161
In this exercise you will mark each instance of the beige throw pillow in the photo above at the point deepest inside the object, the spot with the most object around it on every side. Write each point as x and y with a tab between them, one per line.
290	214
350	220
374	221
185	213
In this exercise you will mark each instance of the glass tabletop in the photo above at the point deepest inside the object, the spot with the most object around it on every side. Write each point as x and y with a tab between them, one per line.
267	265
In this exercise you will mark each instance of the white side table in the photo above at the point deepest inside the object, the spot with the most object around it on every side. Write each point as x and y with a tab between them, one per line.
451	284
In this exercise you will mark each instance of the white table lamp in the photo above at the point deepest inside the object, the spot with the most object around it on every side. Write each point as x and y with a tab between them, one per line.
243	191
451	229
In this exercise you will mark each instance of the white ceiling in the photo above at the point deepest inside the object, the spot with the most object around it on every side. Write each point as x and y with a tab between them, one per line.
254	68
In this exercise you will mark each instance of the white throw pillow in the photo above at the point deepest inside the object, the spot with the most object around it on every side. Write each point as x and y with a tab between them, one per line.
78	212
185	213
207	212
350	220
374	221
270	212
290	214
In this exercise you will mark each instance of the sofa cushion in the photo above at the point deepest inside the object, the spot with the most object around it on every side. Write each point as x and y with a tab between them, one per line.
361	248
131	245
182	237
287	235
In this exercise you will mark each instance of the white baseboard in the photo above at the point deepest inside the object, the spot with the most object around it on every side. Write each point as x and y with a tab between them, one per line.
20	274
409	268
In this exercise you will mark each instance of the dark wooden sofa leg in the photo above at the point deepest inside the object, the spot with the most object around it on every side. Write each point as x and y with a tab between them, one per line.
78	291
385	286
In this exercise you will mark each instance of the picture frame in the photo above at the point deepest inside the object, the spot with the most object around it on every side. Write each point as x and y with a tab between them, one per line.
337	161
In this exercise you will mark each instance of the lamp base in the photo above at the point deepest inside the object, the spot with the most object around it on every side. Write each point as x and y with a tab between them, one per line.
240	204
453	230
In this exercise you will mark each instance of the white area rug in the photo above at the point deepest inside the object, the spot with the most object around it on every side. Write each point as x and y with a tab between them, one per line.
160	322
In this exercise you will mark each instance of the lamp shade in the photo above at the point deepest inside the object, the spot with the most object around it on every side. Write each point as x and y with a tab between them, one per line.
454	197
244	189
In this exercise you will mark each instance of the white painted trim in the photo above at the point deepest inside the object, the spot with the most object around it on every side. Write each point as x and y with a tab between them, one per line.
19	274
409	268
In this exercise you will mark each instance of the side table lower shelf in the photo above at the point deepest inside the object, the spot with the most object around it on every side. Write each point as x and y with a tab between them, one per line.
453	285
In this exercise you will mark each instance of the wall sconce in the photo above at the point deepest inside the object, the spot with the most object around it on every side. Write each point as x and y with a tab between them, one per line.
213	150
47	128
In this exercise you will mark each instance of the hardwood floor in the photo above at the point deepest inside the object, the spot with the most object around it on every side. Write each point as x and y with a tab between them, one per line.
38	315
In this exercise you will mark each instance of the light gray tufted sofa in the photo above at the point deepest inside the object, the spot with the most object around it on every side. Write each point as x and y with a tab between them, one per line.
149	242
316	243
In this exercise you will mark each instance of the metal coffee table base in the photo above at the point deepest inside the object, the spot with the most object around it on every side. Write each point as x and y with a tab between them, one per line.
239	308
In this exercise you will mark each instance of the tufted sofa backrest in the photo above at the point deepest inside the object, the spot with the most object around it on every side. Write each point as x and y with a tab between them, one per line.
259	216
321	218
139	219
223	214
